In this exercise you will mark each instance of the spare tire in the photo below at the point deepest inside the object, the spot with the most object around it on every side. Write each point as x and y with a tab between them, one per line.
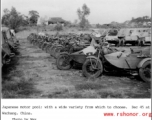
145	71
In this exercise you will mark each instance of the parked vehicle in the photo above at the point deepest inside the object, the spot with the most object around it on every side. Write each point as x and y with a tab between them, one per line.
112	37
136	60
132	36
145	37
6	52
9	39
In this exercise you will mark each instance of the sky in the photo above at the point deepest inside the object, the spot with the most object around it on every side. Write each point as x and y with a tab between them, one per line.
101	11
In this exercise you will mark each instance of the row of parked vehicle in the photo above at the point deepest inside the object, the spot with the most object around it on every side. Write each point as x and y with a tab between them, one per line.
72	50
124	36
9	45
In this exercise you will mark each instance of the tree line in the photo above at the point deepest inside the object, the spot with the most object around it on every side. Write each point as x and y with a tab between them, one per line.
14	19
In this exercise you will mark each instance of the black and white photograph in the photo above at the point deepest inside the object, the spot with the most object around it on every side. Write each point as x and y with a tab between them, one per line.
76	49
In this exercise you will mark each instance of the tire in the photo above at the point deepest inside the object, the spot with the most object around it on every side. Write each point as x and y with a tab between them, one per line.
123	42
47	48
57	51
88	71
119	43
40	44
139	42
50	50
53	50
36	43
145	71
58	54
44	45
142	43
32	41
63	58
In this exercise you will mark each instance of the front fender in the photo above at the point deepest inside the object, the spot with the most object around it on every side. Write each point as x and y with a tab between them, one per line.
64	53
143	61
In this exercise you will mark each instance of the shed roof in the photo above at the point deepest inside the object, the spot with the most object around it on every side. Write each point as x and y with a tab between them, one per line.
56	20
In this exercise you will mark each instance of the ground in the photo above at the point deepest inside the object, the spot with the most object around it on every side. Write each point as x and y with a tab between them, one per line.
33	74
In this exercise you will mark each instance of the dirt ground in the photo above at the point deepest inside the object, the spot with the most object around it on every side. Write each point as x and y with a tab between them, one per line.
35	75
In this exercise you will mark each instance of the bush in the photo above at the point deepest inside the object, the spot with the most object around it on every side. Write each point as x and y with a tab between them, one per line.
13	19
58	27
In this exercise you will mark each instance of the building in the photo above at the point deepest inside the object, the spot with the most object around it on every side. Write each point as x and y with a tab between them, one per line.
56	20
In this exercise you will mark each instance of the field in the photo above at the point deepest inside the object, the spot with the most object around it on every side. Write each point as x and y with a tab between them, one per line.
33	74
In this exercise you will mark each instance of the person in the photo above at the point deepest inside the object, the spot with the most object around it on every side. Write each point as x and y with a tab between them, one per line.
12	32
94	43
92	47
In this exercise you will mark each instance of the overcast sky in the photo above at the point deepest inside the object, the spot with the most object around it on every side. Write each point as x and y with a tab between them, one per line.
102	11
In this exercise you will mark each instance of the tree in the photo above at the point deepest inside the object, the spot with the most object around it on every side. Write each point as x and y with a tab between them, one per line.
34	15
67	23
12	19
5	17
82	14
75	22
98	25
25	20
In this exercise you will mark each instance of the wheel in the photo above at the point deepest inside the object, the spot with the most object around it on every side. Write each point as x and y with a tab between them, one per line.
92	68
57	51
104	39
43	46
123	42
32	42
119	43
51	50
63	62
36	43
139	42
40	45
143	42
145	71
47	48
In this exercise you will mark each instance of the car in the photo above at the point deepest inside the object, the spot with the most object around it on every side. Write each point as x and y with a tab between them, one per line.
145	37
112	37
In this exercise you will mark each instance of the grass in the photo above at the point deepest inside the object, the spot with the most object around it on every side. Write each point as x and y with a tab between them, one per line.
14	84
88	90
96	89
89	86
18	88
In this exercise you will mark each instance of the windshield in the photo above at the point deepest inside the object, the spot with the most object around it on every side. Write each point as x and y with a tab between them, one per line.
113	32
